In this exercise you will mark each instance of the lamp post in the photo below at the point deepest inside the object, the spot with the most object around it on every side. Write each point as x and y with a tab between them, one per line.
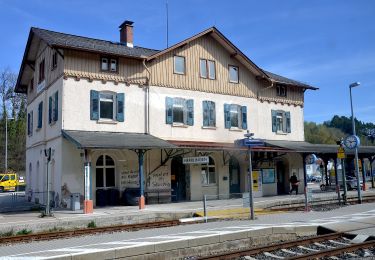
353	85
6	140
249	136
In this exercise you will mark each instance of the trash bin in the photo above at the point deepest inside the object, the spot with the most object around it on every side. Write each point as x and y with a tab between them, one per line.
130	196
75	201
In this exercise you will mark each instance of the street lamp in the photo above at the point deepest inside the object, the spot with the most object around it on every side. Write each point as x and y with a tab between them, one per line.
353	85
249	136
6	140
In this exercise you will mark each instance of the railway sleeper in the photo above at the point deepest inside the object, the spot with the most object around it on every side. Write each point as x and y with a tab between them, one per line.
323	245
338	243
268	254
308	249
291	252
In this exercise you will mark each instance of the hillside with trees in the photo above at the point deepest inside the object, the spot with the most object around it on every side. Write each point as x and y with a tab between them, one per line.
13	110
339	127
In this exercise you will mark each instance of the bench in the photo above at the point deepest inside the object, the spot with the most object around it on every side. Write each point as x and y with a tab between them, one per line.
158	194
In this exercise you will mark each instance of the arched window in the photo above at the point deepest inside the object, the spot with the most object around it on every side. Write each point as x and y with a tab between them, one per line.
105	172
209	173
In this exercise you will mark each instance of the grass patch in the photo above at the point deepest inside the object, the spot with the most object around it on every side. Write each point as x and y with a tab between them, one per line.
8	233
24	232
55	229
91	224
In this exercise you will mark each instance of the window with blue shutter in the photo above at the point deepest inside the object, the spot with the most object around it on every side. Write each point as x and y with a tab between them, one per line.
244	117
56	107
94	105
288	122
29	124
49	110
169	110
281	122
227	116
274	123
209	114
190	112
40	115
120	107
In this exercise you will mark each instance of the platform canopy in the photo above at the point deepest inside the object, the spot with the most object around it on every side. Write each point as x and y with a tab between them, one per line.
113	140
305	147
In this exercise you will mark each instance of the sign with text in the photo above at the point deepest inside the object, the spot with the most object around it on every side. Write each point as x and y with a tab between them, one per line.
341	153
196	160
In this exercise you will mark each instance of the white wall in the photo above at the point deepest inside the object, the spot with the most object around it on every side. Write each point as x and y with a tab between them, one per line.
258	115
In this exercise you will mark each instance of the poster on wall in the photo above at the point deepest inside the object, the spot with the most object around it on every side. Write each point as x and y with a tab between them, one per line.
268	175
256	181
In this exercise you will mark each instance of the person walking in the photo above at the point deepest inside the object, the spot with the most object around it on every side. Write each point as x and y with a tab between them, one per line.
294	182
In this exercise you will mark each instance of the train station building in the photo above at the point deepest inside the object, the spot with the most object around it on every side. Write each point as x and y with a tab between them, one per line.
124	121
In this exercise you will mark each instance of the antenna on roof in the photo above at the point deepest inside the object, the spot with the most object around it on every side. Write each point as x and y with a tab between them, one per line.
166	6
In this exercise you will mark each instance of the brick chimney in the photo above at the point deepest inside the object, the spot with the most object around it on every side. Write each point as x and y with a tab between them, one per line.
126	33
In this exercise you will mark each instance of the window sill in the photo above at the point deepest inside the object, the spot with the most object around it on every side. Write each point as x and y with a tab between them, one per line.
180	125
52	123
235	129
110	122
209	127
38	129
209	185
281	133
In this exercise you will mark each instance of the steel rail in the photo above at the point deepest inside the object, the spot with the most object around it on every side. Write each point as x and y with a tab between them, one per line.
335	251
85	231
283	245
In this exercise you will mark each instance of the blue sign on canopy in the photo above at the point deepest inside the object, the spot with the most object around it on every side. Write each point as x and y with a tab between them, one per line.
250	142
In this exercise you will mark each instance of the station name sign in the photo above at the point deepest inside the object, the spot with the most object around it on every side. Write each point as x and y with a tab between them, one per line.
195	160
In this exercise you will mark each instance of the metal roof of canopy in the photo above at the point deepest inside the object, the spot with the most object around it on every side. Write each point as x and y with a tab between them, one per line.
112	140
305	147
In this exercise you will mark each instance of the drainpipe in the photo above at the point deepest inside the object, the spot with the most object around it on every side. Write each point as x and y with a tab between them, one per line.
147	99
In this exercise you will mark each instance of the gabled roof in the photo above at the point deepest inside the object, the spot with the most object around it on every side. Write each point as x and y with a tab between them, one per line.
216	34
69	41
63	40
282	80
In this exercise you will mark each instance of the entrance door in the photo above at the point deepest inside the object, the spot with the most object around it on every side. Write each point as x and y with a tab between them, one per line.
178	179
234	175
280	178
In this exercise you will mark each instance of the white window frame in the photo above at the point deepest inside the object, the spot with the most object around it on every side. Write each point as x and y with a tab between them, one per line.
174	65
113	61
102	61
206	63
104	167
205	172
281	91
114	104
236	109
238	74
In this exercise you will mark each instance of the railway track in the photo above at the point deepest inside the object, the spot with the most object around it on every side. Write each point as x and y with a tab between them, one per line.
86	231
336	245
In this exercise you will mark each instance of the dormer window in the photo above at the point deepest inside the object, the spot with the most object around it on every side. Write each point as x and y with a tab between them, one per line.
281	91
108	64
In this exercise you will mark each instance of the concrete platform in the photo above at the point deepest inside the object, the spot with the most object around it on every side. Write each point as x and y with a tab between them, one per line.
195	239
107	216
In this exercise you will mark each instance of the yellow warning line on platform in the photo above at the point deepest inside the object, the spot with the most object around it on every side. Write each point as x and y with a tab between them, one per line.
235	212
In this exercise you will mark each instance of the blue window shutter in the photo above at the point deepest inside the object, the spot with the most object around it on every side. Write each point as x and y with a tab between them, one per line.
227	116
94	105
28	123
190	111
50	110
32	123
120	107
40	115
212	114
169	110
56	108
274	126
288	125
244	117
205	113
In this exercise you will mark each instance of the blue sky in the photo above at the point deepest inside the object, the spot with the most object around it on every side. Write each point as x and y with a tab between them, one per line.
328	44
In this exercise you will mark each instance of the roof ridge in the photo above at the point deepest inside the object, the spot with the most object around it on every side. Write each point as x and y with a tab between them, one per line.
90	38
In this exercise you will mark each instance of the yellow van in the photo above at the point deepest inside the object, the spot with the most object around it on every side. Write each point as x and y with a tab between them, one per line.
11	181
